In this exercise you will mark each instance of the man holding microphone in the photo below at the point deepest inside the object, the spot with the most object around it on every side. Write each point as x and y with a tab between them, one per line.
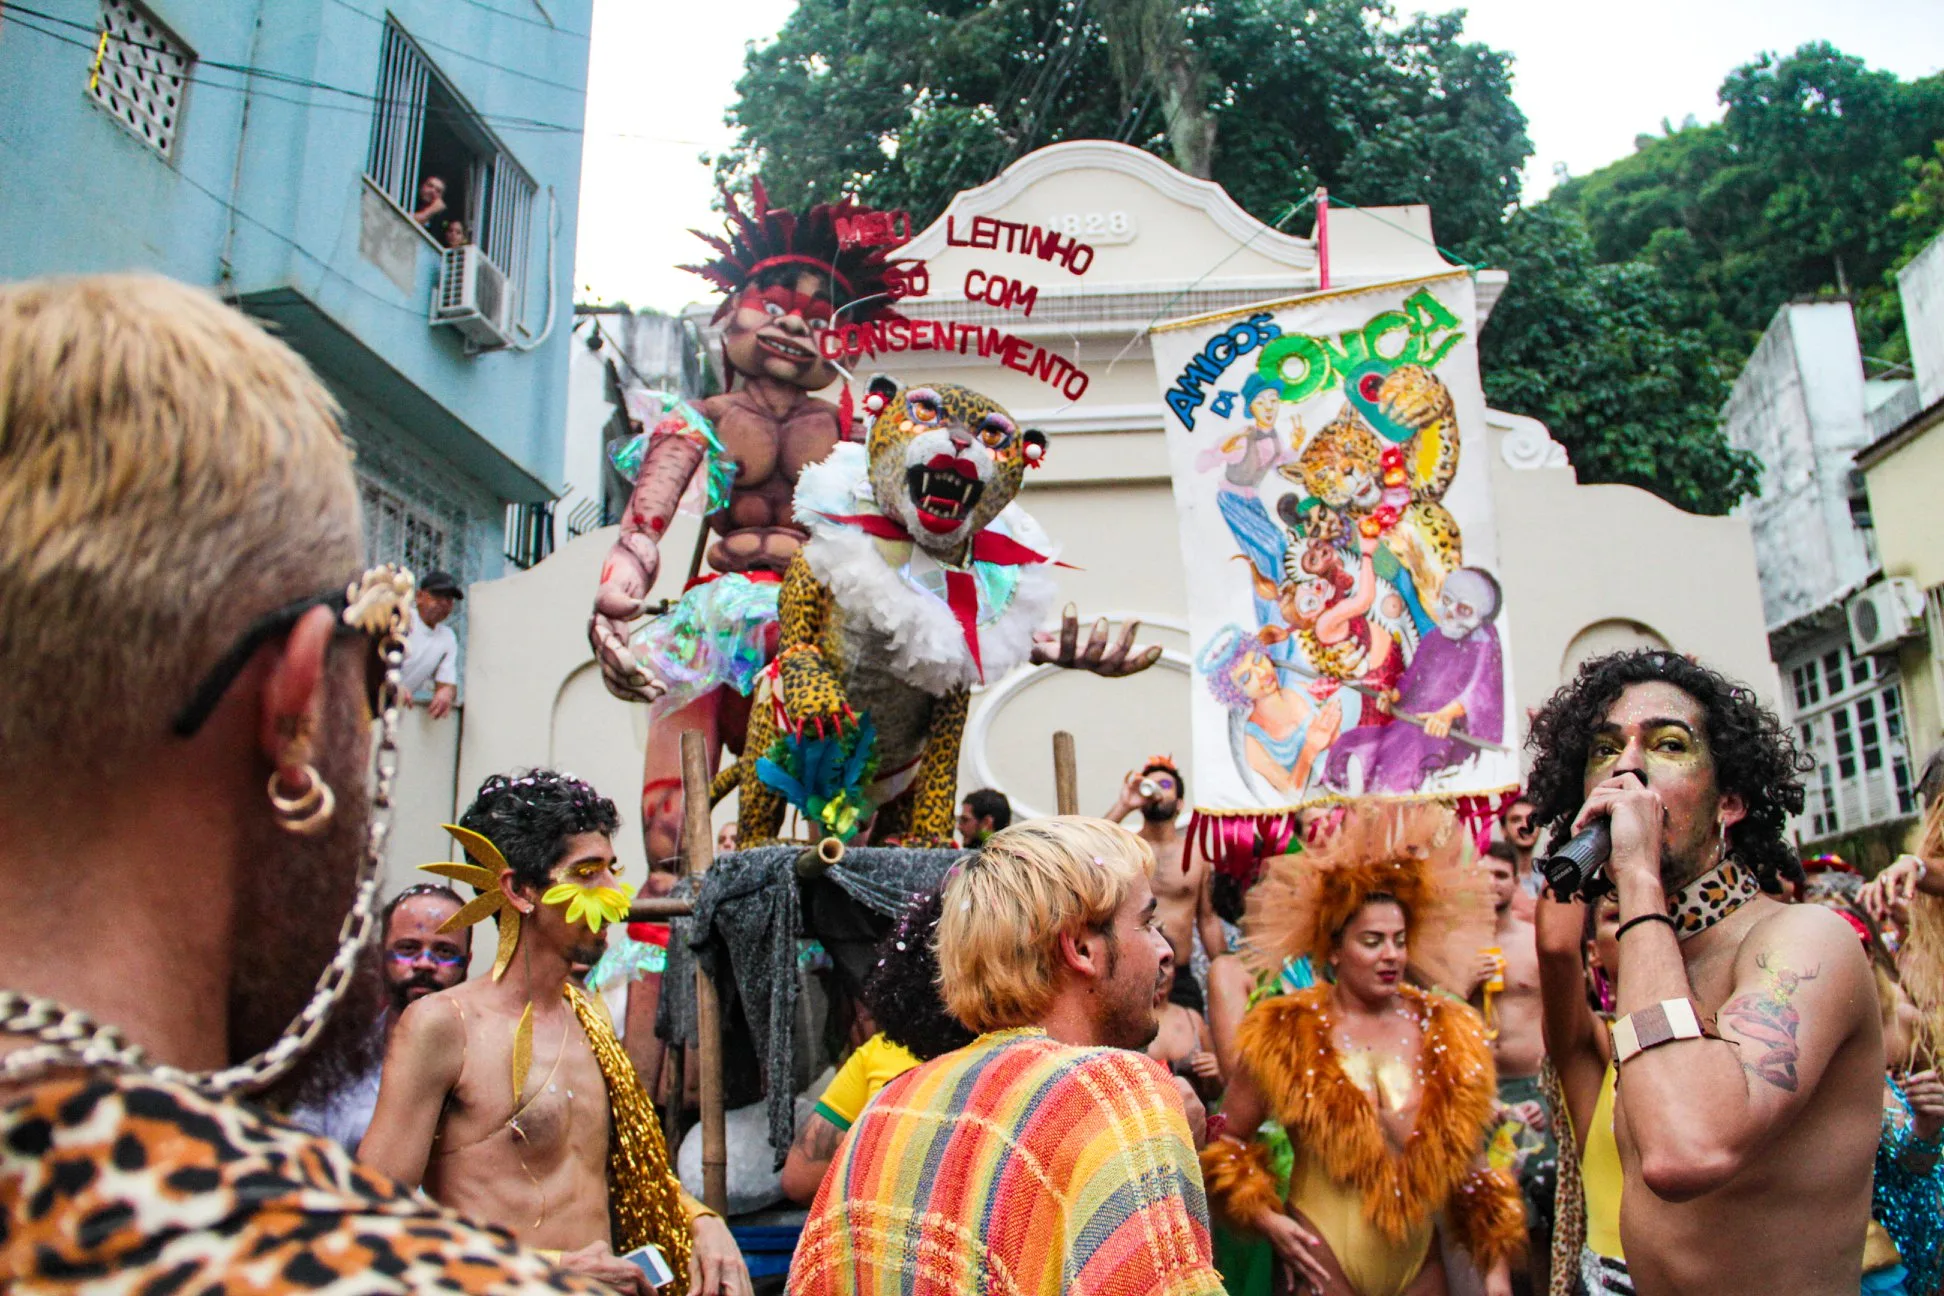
1747	1041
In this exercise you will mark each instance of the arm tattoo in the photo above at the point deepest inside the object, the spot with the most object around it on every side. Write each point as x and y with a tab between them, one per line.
1768	1023
818	1139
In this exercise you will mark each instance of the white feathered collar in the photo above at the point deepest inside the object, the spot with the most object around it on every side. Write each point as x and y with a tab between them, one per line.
896	589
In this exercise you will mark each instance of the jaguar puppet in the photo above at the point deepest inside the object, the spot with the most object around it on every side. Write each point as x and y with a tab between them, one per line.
921	578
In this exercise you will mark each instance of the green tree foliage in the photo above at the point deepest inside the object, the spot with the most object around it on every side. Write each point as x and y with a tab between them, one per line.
904	102
1637	292
1588	349
1792	194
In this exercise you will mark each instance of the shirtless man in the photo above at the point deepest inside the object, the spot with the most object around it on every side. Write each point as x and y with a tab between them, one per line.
536	1162
1182	892
1749	1049
1519	825
1505	988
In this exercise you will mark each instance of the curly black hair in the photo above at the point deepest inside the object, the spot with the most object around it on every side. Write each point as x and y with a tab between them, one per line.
902	989
1755	755
530	816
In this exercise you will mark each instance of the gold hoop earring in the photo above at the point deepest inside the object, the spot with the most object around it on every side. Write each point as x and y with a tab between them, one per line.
307	813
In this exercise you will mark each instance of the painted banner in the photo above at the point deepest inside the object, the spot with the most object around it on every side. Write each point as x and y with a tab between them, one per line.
1347	626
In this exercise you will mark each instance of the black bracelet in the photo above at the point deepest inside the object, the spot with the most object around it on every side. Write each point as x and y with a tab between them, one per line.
1645	918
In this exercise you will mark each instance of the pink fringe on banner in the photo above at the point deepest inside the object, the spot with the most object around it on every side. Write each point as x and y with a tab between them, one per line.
1237	844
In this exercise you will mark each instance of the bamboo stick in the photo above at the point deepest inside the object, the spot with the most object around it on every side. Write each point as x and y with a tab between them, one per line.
1066	774
698	849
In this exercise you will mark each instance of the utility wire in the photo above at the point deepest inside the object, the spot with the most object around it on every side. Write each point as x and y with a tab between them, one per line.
323	265
542	23
275	75
467	54
1444	252
504	122
999	103
1238	250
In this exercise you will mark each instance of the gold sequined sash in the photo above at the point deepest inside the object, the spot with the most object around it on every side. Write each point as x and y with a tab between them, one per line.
644	1197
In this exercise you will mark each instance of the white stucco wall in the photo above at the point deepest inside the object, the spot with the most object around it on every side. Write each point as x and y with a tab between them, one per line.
1799	406
1921	285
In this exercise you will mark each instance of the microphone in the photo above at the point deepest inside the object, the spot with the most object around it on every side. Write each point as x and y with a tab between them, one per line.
1577	870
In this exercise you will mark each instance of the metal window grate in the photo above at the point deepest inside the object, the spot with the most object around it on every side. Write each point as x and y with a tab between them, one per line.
141	73
500	195
419	511
506	224
588	515
529	533
398	126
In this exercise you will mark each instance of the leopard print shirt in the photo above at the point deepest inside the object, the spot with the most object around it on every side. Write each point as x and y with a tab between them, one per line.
128	1185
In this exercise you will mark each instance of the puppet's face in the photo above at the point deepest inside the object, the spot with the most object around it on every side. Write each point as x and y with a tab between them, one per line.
774	331
945	461
1321	559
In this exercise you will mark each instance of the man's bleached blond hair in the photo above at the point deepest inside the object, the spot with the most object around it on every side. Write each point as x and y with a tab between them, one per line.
1008	904
168	473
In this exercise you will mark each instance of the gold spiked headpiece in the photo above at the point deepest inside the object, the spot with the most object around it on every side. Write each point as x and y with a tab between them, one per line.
484	874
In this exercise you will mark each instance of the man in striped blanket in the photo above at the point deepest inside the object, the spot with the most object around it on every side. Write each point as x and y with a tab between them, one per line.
1048	1155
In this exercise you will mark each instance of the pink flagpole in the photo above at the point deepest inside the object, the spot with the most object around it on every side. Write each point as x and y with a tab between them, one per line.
1323	237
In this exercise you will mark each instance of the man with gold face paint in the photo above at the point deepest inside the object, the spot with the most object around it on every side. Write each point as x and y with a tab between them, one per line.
1747	1043
509	1098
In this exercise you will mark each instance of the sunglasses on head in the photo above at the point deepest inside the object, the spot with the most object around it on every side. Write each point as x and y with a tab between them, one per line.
371	609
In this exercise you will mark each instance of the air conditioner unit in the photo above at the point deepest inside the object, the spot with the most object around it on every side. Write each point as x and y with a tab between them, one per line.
1884	615
472	297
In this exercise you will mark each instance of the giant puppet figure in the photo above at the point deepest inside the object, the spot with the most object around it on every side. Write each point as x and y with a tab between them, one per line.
786	278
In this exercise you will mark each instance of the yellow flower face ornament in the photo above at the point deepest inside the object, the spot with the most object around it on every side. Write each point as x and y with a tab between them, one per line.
587	903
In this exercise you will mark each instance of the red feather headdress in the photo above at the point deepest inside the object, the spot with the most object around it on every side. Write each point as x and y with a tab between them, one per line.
765	237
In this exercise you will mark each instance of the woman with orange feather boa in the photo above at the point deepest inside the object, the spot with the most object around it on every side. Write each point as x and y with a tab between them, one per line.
1384	1089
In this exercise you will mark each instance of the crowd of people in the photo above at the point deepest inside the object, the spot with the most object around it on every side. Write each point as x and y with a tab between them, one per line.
1388	1065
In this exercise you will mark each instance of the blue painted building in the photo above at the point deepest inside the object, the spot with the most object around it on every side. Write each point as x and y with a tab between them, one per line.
275	150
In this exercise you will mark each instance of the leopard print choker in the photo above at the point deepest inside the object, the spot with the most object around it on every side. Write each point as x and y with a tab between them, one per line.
1711	897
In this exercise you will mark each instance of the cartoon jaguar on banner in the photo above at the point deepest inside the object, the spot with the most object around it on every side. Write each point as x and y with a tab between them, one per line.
1348	630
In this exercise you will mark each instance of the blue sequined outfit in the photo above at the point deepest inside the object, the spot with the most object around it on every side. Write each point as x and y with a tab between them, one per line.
1910	1205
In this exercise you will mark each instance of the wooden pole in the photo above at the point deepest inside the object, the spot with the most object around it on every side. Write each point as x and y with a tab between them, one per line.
1322	237
1066	774
698	849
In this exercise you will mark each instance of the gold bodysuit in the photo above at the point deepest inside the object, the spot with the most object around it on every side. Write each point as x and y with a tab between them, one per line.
1375	1264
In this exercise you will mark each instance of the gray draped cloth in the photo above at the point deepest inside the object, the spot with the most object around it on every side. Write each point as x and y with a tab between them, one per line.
749	912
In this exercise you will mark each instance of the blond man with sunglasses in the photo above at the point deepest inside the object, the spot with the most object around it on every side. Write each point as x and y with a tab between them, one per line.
193	664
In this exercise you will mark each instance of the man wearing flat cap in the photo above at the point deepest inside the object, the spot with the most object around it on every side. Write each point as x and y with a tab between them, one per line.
431	649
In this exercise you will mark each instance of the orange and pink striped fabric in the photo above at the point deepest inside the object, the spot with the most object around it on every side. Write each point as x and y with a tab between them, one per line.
1017	1165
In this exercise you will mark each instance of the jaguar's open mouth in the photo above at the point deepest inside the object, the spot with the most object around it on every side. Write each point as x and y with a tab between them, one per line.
944	491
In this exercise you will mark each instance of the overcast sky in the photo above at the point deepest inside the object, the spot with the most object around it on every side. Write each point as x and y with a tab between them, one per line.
662	74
